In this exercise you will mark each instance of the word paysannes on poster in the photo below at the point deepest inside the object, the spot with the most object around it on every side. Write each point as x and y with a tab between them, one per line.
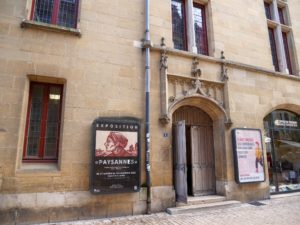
115	156
248	155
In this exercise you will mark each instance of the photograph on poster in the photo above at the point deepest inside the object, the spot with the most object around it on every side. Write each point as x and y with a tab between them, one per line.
248	152
116	144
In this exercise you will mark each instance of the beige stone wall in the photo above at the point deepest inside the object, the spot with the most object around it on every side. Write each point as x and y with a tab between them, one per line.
253	95
103	75
98	70
238	28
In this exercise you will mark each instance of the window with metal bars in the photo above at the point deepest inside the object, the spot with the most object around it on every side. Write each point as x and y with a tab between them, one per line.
43	123
59	12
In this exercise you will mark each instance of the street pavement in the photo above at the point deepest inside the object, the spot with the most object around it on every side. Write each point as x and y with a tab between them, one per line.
276	211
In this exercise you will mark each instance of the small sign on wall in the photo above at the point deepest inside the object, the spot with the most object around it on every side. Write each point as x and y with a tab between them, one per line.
115	166
248	155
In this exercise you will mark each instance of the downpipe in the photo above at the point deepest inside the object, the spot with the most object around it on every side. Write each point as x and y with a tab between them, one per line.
146	47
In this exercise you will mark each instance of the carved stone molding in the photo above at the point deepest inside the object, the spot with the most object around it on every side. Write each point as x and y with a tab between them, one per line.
224	76
196	72
175	88
164	57
164	84
164	119
228	123
194	86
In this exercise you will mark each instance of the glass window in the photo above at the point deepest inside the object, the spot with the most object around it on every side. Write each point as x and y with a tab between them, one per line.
178	25
273	49
200	29
268	10
43	122
287	52
282	41
281	16
59	12
283	150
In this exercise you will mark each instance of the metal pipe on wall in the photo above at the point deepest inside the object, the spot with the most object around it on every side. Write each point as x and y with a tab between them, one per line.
147	45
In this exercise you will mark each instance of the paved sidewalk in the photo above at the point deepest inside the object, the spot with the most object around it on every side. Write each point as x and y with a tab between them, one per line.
277	211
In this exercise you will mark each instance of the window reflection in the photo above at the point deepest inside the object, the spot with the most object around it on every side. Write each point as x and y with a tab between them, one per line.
178	24
283	151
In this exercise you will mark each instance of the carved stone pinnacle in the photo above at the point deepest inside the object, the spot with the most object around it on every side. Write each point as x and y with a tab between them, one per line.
196	72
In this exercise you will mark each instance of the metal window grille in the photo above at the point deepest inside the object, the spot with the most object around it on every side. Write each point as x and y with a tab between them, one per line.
59	12
43	11
67	13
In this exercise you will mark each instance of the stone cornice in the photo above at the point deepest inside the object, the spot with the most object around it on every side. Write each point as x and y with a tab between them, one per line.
228	63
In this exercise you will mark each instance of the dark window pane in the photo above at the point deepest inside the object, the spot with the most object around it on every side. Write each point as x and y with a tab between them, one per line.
268	11
273	49
34	130
287	52
67	13
53	122
178	24
43	10
200	29
281	17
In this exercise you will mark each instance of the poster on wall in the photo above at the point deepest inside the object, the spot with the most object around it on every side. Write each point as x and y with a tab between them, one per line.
248	155
115	166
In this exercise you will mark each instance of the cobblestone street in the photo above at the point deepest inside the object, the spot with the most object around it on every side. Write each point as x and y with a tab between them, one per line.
277	211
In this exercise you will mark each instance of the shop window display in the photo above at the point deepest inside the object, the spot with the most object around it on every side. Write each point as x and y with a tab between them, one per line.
282	131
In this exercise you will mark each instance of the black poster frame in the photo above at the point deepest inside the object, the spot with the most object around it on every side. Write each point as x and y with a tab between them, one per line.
102	177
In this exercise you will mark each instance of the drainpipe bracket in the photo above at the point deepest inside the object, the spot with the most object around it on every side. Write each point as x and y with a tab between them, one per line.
147	44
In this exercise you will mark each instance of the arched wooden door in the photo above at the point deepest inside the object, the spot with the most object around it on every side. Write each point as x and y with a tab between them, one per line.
199	150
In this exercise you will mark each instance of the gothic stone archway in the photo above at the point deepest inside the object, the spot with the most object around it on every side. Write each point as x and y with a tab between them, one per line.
200	163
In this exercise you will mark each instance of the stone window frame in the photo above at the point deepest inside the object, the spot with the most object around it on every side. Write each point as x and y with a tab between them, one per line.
278	29
29	22
44	167
189	23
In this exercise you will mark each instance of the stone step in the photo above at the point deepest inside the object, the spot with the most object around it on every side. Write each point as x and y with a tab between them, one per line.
205	199
202	206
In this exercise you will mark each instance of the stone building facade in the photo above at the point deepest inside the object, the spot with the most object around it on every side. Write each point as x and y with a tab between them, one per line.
97	64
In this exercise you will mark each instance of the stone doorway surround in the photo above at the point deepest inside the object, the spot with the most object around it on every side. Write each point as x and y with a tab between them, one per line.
211	96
